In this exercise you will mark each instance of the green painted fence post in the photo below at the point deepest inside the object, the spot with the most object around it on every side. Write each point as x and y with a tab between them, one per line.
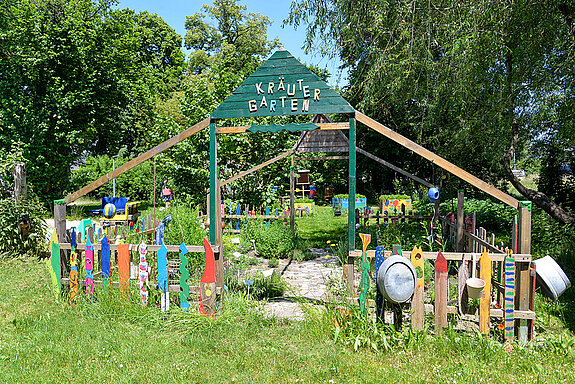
213	175
351	197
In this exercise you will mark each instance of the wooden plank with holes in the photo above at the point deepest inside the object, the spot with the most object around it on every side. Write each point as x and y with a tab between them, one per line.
440	293
509	306
485	301
417	302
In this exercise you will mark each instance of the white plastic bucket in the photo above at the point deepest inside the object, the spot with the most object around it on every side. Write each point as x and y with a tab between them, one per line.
475	288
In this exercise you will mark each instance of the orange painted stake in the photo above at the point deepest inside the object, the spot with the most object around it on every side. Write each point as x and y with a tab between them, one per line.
124	268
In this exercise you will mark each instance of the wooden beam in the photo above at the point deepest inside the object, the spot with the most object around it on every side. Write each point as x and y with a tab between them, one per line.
151	248
322	127
322	158
439	161
396	169
251	170
138	160
517	257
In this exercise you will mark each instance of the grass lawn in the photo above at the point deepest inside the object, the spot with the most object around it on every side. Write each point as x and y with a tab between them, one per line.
44	340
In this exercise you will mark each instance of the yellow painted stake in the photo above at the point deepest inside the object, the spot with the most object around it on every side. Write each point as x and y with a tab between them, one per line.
485	301
417	305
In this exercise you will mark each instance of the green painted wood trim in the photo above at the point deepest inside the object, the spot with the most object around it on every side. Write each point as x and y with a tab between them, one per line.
351	199
213	175
313	110
292	127
59	201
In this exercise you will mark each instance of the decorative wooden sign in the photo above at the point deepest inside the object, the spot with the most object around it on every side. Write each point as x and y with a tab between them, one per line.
440	293
54	264
364	283
282	86
417	302
379	302
105	263
73	268
485	301
509	307
208	283
89	267
184	275
163	278
143	273
124	268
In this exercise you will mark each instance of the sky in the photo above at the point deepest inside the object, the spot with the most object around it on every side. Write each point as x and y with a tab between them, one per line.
174	12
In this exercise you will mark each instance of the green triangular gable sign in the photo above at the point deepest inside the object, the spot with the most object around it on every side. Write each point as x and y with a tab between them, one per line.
282	86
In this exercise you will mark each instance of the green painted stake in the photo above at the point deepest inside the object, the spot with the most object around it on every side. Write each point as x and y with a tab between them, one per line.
213	170
184	275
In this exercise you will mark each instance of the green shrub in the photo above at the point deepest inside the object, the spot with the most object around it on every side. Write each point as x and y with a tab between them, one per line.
394	197
491	215
262	288
273	239
22	230
345	196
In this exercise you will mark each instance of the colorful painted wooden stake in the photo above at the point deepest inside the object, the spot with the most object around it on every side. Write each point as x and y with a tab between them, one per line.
105	263
440	293
364	283
184	275
89	267
379	303
54	264
143	273
485	301
124	268
417	302
208	283
163	278
73	268
238	212
509	295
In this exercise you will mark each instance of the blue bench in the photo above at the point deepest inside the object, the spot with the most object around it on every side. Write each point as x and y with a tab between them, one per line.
119	202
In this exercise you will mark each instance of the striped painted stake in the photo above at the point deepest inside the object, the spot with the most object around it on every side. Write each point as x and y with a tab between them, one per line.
485	301
184	275
143	273
54	264
417	304
379	303
73	268
163	278
89	267
105	263
364	283
509	296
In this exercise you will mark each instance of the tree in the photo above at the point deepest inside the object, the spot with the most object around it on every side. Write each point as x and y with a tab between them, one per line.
77	78
473	81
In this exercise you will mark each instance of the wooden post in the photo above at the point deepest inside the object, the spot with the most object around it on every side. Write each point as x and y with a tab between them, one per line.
440	293
522	272
213	178
20	189
292	195
460	221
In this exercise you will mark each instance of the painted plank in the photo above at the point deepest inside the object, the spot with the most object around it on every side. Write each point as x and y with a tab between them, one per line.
105	263
143	273
208	283
438	161
321	127
379	302
462	297
73	268
417	302
184	275
124	268
485	301
163	278
138	160
89	267
53	265
509	306
364	283
440	293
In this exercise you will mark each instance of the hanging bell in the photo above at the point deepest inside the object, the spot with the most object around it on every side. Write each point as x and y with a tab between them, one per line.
433	194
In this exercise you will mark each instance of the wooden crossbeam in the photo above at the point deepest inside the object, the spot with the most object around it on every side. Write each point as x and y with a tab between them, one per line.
138	160
322	158
151	247
518	258
322	127
251	170
438	160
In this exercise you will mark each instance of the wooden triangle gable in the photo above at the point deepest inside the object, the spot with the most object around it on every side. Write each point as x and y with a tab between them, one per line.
282	86
322	140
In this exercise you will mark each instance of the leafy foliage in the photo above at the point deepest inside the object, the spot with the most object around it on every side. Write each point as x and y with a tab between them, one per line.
271	240
22	230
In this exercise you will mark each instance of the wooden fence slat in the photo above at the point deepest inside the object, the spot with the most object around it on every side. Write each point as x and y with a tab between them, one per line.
485	301
440	293
509	295
417	302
